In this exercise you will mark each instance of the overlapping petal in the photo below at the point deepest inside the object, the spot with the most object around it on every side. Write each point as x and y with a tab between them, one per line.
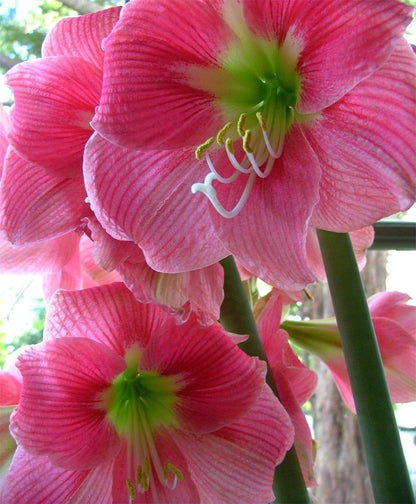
50	255
113	308
31	475
394	305
199	291
153	206
54	104
81	36
63	382
366	147
208	366
153	70
268	237
361	34
295	383
36	205
240	453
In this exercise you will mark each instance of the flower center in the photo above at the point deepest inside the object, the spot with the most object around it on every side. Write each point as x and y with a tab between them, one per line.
138	402
256	87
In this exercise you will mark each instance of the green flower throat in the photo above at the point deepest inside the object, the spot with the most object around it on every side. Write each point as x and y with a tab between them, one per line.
256	88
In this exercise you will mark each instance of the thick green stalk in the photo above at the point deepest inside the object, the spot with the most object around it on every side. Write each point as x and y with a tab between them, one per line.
237	317
386	463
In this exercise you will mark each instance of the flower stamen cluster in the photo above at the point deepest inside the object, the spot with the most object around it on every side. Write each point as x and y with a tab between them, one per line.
137	403
258	77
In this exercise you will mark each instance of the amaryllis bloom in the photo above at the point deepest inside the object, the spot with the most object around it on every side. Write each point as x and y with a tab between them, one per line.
395	327
135	408
295	382
254	121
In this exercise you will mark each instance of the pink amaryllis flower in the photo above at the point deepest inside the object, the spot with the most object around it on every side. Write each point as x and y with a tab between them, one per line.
135	408
270	111
395	327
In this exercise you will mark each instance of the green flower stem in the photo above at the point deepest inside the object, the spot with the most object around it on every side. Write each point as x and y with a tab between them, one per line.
237	317
387	467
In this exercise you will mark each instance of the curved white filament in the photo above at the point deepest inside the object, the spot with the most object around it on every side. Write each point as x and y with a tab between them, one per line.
209	191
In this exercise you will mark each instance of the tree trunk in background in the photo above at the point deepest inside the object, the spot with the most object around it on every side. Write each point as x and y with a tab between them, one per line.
340	467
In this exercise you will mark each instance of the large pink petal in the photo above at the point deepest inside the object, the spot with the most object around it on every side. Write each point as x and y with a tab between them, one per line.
54	103
218	382
145	80
81	36
236	464
145	197
63	382
268	237
36	205
35	479
366	145
344	45
108	314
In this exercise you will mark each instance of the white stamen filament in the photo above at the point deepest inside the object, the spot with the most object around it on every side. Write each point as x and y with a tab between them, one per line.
229	149
274	153
209	191
252	170
224	180
141	447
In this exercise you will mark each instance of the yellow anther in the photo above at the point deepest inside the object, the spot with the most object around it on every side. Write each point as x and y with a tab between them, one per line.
139	474
131	489
201	149
241	124
262	121
170	468
222	132
229	145
143	475
246	142
146	464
